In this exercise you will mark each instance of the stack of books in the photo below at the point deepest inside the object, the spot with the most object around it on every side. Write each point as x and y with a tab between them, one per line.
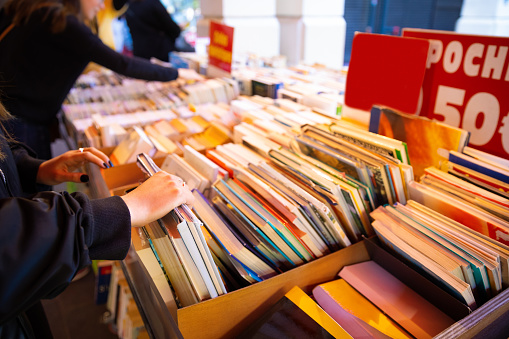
280	182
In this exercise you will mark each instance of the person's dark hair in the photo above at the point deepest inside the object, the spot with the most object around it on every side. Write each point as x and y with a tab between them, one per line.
55	11
4	115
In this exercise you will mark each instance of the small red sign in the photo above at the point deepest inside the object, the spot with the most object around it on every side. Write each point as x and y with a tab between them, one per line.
385	70
466	85
221	46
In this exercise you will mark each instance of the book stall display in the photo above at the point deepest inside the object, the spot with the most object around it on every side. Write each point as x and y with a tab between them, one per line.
320	208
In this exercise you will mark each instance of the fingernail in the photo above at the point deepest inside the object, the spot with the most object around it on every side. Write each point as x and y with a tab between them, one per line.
84	178
111	164
104	165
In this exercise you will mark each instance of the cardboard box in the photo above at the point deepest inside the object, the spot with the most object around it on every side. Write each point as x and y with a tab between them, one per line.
117	179
228	315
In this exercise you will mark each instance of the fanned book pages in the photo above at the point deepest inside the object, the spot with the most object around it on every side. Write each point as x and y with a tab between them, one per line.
239	254
185	229
426	266
150	260
463	212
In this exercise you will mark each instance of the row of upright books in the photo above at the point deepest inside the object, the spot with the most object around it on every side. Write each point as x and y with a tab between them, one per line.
296	185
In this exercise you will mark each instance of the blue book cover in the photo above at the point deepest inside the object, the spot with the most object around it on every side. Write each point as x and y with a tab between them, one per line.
102	281
471	164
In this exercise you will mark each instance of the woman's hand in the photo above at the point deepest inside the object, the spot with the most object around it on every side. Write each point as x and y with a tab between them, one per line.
156	197
62	168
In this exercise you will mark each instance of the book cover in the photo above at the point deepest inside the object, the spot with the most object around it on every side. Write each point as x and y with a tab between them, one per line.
102	269
405	306
460	211
413	130
356	314
295	315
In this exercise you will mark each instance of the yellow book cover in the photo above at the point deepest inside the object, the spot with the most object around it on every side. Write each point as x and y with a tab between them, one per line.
178	125
200	121
338	293
312	309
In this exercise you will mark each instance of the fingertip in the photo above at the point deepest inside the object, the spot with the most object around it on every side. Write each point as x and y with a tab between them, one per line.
84	178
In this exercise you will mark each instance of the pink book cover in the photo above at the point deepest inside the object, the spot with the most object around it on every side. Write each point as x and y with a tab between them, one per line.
411	311
354	326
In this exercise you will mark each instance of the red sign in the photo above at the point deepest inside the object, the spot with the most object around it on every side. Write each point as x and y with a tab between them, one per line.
386	70
221	44
466	85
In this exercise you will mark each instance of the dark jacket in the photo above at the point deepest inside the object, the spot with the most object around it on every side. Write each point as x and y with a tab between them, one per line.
47	237
152	29
38	68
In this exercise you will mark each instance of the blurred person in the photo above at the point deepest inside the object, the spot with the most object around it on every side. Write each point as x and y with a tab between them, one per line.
111	11
152	28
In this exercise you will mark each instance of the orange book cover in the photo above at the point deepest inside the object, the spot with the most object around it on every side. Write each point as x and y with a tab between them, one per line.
212	156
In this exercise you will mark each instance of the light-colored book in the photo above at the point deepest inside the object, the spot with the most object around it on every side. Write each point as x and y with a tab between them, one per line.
201	163
151	263
135	143
172	264
176	165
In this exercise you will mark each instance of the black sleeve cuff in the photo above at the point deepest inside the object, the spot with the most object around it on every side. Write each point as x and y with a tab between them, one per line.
27	169
112	229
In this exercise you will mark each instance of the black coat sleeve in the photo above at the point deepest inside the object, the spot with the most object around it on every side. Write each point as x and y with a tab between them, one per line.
27	166
45	240
164	21
84	44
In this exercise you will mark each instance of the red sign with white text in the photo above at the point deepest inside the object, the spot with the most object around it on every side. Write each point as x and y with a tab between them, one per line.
221	46
466	85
